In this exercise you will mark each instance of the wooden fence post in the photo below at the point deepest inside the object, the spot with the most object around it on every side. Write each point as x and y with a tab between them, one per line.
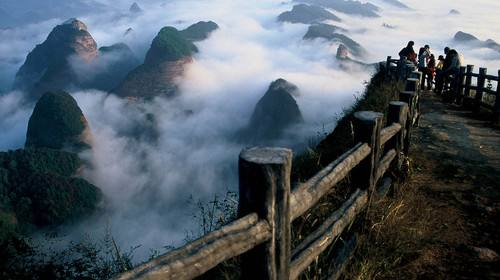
264	179
409	98
480	88
496	109
367	126
388	66
460	85
412	84
398	113
468	80
417	75
401	68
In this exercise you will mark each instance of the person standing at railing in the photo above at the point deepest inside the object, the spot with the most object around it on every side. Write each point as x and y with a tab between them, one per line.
424	55
408	53
431	68
451	68
440	64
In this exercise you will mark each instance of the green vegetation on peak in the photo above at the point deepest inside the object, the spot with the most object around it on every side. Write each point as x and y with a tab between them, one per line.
199	31
115	47
57	122
37	187
169	45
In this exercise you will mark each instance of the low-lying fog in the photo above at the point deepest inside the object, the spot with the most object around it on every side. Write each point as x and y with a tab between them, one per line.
147	184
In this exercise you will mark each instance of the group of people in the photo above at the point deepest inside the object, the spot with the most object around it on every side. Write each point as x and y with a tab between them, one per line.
442	69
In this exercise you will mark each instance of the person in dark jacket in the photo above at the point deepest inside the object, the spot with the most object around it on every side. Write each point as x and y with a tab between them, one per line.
423	59
408	52
449	68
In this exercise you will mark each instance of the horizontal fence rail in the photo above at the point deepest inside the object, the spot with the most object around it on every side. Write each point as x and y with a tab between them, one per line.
305	253
261	236
307	194
201	255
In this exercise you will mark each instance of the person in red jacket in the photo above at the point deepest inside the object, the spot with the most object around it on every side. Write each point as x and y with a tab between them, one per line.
431	70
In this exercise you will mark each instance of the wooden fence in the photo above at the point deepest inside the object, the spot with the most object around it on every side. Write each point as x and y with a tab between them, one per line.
467	88
474	86
268	205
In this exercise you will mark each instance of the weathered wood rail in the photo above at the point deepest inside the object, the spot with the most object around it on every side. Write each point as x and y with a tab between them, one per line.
268	204
473	88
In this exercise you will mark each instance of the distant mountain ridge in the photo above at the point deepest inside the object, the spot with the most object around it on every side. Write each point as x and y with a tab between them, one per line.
348	7
69	59
165	60
330	33
467	38
307	14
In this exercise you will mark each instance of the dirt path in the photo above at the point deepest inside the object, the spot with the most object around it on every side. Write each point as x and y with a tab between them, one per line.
456	163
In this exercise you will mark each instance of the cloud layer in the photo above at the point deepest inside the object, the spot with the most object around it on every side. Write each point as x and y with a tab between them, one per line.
148	172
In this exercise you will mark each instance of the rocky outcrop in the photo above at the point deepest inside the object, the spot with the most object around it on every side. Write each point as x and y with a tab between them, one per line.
342	52
330	33
307	14
348	7
135	9
276	111
58	123
164	63
129	32
47	67
454	12
199	31
466	38
349	64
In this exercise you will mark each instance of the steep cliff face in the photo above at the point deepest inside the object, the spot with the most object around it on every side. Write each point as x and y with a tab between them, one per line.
276	111
58	123
135	8
47	66
164	63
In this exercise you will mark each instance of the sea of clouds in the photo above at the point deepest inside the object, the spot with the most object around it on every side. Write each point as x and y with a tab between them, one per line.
147	182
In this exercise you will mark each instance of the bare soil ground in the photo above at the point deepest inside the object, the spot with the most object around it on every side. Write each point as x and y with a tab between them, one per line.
456	170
